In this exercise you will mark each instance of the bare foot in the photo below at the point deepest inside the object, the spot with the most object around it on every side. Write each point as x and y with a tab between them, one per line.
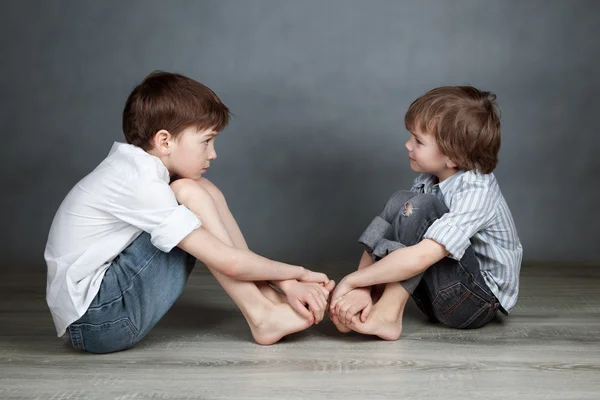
340	327
271	293
381	322
277	321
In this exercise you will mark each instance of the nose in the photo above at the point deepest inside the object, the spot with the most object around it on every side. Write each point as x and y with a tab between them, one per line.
212	155
407	145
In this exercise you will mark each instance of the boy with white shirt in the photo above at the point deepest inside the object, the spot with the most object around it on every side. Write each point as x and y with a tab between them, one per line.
125	239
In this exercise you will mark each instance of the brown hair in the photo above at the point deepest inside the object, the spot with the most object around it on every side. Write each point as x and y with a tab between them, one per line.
172	102
465	123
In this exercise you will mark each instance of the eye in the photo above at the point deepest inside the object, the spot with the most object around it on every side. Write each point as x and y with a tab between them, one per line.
206	142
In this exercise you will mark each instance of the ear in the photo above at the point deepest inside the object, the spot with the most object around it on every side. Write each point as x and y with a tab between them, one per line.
450	163
162	141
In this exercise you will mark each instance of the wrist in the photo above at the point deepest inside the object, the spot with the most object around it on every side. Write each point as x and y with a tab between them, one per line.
350	281
301	272
285	285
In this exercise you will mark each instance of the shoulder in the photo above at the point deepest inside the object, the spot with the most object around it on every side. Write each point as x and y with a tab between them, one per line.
475	181
132	163
473	191
126	174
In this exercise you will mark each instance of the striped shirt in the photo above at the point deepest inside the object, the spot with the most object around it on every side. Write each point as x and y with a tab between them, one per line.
478	216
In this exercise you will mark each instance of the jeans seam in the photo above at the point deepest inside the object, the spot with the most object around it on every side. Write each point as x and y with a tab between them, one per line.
470	292
490	298
129	287
133	331
473	318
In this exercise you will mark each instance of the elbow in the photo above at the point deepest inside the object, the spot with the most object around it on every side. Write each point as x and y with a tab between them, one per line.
232	267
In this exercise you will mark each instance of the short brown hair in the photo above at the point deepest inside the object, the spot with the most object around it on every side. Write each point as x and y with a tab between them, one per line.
465	122
172	102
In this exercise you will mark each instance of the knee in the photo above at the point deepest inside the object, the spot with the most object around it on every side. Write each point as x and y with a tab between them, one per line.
214	191
187	189
395	203
423	204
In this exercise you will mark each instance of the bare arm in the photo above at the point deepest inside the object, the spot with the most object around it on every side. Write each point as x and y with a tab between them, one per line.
241	264
365	261
399	265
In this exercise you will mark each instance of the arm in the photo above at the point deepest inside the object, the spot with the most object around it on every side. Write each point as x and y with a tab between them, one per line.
365	261
241	264
399	265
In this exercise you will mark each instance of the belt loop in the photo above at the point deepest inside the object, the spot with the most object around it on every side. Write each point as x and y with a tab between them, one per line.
76	337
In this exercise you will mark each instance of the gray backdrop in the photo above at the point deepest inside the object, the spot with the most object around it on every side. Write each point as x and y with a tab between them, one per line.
319	90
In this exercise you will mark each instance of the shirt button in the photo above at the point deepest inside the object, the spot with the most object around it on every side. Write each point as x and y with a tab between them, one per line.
450	222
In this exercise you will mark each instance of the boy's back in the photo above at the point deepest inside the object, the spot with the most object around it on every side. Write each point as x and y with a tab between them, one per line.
478	216
125	239
127	193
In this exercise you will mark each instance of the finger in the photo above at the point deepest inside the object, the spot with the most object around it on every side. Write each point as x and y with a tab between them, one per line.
366	312
345	315
323	302
301	309
317	277
339	325
322	305
334	299
325	294
313	306
351	312
354	322
329	287
318	293
338	306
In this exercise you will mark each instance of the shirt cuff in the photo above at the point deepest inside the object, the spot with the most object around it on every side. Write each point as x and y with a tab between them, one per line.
180	223
450	236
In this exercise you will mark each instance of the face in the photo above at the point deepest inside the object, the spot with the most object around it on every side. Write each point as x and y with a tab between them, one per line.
191	153
426	157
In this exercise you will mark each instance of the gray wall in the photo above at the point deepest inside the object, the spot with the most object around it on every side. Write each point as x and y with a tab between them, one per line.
319	90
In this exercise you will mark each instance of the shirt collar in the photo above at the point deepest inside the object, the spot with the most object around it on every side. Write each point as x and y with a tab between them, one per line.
129	149
430	184
446	184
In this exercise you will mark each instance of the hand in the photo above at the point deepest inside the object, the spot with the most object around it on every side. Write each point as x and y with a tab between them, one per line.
353	303
343	288
315	277
303	294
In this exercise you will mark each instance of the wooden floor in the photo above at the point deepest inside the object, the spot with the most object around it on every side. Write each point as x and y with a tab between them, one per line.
549	348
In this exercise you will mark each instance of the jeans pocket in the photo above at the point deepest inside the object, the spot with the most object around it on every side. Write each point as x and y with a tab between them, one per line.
102	338
457	306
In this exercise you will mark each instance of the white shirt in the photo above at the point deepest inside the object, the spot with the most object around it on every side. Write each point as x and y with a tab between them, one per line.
127	194
478	216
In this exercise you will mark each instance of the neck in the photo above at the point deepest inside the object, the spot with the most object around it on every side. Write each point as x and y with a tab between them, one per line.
161	157
445	174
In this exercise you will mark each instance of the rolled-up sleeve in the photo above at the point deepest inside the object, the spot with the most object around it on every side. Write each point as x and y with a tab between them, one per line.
471	211
174	228
151	206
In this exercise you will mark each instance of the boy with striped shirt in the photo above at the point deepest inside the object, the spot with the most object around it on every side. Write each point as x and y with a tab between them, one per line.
450	242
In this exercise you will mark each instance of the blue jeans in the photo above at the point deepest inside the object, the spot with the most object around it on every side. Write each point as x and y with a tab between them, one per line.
451	292
139	287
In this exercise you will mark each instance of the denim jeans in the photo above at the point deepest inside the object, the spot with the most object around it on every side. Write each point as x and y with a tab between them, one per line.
450	291
139	287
